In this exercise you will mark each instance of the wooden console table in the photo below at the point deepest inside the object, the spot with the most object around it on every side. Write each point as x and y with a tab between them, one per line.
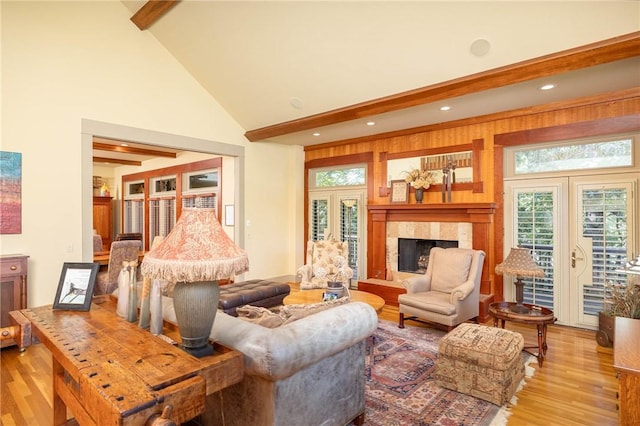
107	370
626	361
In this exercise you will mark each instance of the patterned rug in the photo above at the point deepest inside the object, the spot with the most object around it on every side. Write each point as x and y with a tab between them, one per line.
400	390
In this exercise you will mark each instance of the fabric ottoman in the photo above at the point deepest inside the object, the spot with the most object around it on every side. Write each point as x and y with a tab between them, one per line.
481	361
253	292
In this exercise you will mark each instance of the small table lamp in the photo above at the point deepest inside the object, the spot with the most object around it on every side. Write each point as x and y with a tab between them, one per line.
519	263
195	255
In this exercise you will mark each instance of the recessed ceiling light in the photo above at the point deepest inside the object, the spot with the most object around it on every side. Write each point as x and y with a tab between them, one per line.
316	134
124	144
445	108
371	123
547	87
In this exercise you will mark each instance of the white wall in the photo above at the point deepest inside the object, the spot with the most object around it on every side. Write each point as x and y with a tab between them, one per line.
64	63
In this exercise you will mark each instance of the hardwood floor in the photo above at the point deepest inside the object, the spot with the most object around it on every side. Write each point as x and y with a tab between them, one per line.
576	386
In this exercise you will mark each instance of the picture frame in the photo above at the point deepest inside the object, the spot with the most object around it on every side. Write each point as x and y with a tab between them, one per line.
76	285
399	191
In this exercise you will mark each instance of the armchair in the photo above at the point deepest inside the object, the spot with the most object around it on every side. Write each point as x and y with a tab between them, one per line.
449	292
121	251
320	263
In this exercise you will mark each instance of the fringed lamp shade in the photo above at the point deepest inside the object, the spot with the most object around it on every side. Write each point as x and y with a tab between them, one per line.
520	264
196	249
195	255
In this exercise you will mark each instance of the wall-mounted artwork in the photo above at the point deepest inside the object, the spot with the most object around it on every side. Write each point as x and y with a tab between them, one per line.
10	192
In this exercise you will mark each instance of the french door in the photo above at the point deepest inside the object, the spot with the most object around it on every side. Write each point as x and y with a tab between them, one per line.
581	230
340	214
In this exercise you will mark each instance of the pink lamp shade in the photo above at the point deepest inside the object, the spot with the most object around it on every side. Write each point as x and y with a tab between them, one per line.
196	249
195	255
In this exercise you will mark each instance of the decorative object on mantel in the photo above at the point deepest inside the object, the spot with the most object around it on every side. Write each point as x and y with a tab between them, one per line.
419	180
521	264
195	255
448	177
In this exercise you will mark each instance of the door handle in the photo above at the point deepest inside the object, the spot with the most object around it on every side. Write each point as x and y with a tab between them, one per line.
574	258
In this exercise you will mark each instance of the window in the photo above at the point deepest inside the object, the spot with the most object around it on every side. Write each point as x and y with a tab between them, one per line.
200	181
574	156
352	176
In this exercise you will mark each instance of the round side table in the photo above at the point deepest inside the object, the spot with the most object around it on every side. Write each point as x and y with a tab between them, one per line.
537	315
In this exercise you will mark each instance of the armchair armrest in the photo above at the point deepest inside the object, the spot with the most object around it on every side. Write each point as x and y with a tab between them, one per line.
417	284
462	291
304	272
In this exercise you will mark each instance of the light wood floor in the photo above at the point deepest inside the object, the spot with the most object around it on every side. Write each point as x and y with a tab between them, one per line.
576	385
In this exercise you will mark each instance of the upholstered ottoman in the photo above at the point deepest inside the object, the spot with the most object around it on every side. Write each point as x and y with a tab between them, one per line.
253	292
481	361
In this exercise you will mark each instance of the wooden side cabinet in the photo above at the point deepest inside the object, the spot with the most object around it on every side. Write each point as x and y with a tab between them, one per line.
13	288
626	361
103	219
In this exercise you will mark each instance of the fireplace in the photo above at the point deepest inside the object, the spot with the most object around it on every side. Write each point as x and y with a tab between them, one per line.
413	253
469	223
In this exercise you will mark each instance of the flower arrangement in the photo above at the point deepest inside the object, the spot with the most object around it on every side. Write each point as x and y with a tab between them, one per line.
420	178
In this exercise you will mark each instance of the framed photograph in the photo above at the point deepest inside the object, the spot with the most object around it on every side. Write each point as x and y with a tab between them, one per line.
399	191
75	288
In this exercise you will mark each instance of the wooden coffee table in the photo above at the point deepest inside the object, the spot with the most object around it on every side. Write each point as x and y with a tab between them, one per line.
537	315
315	296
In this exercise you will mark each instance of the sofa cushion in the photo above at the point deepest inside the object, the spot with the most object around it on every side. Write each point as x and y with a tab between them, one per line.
450	270
285	314
261	316
295	312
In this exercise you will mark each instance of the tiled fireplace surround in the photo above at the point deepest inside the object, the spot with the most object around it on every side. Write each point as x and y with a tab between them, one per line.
467	223
456	231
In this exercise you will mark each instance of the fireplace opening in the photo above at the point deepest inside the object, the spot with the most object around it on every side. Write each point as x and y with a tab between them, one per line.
413	253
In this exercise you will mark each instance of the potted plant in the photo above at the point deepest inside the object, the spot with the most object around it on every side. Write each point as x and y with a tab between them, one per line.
621	300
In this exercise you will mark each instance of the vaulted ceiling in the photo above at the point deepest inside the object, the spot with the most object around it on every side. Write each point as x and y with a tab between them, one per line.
287	70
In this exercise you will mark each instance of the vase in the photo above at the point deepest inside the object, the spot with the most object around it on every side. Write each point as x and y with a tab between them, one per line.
419	195
132	308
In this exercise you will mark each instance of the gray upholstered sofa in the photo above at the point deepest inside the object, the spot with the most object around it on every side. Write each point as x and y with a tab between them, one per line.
308	372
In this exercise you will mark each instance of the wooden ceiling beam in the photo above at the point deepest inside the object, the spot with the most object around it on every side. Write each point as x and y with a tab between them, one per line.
116	161
602	52
132	150
151	11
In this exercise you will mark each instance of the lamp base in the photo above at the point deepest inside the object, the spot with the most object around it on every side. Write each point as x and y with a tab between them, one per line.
519	308
198	352
195	305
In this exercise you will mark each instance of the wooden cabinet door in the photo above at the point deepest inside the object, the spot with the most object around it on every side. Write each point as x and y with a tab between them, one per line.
102	219
13	289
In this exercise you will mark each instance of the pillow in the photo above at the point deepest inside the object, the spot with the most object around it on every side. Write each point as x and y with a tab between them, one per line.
450	269
295	312
261	316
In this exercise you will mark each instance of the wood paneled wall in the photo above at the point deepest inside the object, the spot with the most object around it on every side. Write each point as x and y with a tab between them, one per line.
593	110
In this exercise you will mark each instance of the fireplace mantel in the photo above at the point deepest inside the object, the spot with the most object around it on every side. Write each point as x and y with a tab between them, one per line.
480	215
452	212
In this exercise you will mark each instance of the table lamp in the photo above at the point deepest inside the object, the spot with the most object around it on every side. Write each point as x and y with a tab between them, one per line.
519	263
195	255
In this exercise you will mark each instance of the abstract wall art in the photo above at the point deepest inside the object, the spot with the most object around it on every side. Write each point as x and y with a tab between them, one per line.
10	192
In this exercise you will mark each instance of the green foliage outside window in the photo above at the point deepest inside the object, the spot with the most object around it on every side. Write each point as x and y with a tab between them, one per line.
340	177
578	156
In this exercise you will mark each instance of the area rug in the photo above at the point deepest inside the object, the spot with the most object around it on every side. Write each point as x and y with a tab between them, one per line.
401	390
